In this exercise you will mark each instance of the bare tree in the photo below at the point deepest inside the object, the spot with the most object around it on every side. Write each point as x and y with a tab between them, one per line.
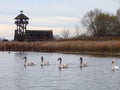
88	19
118	14
66	33
77	31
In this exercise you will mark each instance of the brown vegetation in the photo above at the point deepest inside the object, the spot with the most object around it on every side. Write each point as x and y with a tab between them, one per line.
112	46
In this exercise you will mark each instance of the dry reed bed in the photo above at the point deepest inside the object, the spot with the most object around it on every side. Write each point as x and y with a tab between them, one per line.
63	46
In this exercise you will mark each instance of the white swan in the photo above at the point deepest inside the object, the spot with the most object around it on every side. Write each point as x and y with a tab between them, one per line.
114	67
82	64
62	65
44	62
28	63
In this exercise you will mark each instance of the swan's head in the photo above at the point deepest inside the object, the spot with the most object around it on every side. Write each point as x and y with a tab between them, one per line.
59	59
25	57
41	57
113	62
81	59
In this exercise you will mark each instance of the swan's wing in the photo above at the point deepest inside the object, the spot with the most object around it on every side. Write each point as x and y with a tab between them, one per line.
30	64
116	67
85	65
65	65
46	63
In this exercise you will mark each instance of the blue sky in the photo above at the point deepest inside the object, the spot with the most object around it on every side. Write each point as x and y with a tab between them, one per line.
50	14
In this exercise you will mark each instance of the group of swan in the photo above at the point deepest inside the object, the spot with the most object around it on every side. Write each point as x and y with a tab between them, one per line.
47	63
82	64
32	64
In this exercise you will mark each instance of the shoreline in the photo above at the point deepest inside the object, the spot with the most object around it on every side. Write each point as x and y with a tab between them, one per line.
110	47
94	53
105	54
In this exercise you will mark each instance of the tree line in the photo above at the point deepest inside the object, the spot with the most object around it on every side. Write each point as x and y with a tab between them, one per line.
102	24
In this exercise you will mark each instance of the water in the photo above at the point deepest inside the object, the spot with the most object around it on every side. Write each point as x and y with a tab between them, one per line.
98	76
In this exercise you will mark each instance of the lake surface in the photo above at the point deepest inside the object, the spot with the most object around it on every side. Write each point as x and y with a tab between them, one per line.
98	76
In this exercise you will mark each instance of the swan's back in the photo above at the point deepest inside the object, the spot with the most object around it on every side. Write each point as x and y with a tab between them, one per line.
63	66
46	63
115	68
84	65
30	64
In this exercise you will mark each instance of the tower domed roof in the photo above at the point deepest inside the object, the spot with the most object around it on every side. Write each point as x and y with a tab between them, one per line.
21	16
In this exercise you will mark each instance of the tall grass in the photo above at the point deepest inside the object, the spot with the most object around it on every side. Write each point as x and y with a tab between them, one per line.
63	46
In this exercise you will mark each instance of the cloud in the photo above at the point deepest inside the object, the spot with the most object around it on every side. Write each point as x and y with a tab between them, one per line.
57	24
6	19
7	31
56	30
58	21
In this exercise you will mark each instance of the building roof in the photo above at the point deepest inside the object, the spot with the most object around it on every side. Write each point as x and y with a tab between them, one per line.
38	30
21	16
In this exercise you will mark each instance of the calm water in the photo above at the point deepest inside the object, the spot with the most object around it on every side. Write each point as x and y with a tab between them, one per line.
98	76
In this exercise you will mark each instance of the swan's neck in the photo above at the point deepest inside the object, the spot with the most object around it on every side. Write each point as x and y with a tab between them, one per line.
42	62
113	64
81	63
25	63
60	63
